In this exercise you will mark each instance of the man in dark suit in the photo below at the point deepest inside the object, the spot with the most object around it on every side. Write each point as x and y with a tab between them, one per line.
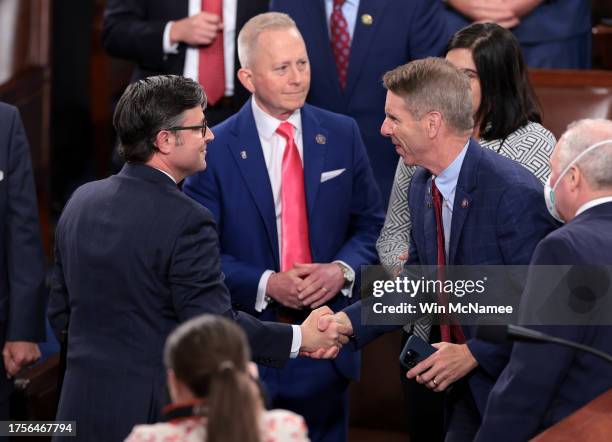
22	270
135	257
381	34
543	383
469	206
168	37
272	270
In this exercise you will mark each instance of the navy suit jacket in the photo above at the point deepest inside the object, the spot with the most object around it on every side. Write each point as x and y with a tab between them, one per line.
543	383
551	21
134	29
134	258
344	213
400	31
502	222
22	271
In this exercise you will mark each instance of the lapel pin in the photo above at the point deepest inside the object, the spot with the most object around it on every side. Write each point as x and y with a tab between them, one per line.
367	19
465	203
243	155
320	139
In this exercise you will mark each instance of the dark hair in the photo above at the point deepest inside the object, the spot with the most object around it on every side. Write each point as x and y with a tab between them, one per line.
508	101
150	105
209	354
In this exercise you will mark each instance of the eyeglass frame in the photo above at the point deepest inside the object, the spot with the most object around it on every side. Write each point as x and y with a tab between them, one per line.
202	127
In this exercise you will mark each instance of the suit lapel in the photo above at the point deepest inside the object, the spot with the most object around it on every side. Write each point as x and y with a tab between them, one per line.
323	45
363	35
248	155
314	139
463	200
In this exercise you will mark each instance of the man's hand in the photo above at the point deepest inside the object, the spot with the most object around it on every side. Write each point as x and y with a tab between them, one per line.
323	334
283	287
325	321
483	11
322	283
450	363
198	30
19	354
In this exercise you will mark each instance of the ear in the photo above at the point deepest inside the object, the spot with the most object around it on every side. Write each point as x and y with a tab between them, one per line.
164	141
433	123
245	75
575	177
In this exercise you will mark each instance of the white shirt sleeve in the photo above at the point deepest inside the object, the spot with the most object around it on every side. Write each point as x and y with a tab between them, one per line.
169	48
296	342
260	299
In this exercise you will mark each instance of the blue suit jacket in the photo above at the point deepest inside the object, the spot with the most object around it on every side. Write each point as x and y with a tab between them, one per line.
344	213
551	21
543	383
499	216
134	257
22	271
400	31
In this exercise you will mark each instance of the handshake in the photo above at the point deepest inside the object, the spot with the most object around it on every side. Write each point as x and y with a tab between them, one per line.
324	333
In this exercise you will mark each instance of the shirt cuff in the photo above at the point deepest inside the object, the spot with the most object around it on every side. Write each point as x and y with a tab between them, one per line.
296	342
347	290
260	300
169	48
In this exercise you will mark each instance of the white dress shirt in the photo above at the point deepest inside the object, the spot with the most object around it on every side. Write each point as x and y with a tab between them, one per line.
192	59
593	203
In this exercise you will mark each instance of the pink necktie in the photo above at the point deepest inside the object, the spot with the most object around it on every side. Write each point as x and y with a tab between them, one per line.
211	69
295	247
340	41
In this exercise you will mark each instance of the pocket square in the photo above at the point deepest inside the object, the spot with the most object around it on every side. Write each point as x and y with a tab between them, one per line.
326	176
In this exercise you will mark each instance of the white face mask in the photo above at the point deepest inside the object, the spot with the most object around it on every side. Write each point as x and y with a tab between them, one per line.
549	192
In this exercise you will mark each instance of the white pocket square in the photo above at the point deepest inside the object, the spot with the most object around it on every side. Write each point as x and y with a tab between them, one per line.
326	176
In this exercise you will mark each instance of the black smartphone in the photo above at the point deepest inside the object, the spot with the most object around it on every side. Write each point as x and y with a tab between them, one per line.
415	350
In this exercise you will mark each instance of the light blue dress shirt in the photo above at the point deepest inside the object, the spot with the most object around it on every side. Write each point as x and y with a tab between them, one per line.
447	185
349	10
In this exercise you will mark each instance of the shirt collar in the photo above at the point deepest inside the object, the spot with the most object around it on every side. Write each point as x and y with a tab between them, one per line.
593	203
446	182
267	124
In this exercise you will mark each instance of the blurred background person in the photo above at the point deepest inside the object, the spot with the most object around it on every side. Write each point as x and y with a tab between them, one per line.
351	44
22	267
214	390
553	34
193	38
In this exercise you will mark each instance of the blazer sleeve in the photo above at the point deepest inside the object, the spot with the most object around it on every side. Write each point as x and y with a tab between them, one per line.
367	216
24	257
58	310
197	287
522	221
129	33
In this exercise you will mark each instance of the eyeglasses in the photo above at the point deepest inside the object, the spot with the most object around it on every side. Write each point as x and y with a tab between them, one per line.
202	127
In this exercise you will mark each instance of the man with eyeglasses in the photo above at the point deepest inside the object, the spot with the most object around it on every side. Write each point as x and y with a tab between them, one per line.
135	257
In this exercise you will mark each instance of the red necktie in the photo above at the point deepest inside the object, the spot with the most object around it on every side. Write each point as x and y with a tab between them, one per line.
340	41
211	69
446	327
295	246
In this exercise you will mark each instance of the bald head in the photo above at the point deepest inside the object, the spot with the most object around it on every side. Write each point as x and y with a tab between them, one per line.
596	165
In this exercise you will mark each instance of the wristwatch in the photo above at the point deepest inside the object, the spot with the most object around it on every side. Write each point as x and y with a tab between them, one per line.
349	276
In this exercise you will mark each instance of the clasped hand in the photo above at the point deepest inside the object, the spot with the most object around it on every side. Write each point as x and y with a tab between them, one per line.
306	285
332	330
